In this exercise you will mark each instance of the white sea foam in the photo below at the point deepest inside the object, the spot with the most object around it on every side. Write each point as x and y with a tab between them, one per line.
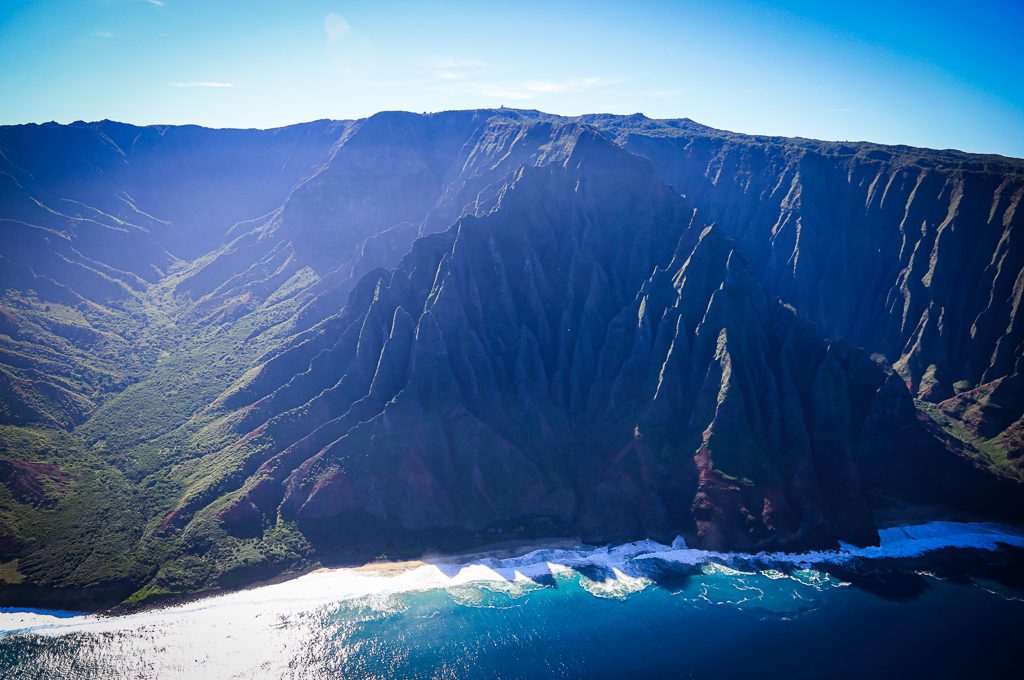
896	542
610	571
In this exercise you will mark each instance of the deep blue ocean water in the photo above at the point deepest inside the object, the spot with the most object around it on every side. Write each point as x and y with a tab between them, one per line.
944	607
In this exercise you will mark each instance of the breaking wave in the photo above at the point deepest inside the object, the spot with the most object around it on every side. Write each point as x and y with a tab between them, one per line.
610	572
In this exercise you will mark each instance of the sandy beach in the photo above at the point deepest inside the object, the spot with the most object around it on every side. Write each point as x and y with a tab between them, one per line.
498	551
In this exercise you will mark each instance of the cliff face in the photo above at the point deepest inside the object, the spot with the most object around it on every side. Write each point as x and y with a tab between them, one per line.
415	331
873	244
586	358
914	255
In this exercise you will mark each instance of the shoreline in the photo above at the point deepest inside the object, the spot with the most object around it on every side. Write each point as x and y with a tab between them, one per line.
889	515
509	550
499	551
300	623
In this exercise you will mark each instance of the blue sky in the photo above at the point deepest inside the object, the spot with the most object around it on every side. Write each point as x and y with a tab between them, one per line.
938	74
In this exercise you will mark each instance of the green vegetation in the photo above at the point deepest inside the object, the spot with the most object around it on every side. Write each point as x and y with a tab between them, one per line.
90	535
990	452
137	456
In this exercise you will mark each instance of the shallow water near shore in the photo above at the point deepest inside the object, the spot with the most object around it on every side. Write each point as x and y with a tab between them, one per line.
941	600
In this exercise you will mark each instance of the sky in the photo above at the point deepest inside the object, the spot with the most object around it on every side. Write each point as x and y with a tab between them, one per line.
939	74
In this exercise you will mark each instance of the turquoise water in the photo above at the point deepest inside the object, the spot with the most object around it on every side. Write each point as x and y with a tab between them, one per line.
942	600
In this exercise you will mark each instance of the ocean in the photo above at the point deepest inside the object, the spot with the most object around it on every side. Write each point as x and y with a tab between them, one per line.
941	599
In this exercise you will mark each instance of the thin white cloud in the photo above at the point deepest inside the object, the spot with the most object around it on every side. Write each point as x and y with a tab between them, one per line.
156	3
503	92
562	86
668	92
335	25
203	83
439	62
102	34
532	89
454	75
456	68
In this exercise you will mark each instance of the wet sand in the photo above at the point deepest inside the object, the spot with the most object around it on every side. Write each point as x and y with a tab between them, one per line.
503	550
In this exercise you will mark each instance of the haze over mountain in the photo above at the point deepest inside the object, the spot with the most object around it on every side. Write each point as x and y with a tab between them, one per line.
227	354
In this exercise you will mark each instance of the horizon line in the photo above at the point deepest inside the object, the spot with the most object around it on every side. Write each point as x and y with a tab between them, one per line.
863	142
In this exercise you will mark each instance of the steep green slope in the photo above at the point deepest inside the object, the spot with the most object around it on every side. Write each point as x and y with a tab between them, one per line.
92	215
72	520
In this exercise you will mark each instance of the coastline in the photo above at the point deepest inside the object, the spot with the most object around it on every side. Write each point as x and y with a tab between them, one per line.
376	569
509	564
889	515
497	551
447	614
512	548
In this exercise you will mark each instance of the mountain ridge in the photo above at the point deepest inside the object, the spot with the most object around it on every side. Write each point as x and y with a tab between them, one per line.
274	378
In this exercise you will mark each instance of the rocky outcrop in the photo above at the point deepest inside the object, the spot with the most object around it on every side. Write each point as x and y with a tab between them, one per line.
991	417
989	409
